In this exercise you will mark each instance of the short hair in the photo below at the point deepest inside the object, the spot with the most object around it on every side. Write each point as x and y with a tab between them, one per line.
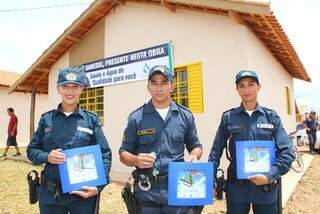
313	112
10	109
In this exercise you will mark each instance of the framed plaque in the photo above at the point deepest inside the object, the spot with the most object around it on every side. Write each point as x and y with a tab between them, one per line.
254	157
83	167
190	184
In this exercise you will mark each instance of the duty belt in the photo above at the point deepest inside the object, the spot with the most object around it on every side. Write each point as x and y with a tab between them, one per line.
267	187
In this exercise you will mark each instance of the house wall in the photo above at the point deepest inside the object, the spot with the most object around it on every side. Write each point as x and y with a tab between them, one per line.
223	46
20	102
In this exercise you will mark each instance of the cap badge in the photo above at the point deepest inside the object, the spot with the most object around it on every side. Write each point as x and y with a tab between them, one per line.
246	74
71	77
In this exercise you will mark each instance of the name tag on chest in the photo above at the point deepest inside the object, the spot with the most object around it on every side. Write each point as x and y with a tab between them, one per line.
86	130
265	126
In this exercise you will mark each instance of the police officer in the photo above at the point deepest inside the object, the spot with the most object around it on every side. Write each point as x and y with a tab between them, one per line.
63	128
156	134
250	121
311	125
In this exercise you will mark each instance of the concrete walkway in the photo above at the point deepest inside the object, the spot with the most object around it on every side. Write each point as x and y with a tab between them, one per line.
292	178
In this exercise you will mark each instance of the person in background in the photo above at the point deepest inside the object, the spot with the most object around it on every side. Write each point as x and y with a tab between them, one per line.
12	133
312	126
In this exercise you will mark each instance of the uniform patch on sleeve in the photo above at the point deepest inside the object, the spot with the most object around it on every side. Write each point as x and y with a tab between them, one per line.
82	129
265	126
146	131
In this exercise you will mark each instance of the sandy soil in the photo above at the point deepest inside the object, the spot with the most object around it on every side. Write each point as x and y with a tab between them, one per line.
14	192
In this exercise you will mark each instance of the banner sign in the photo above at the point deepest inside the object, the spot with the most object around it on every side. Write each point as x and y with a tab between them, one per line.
129	67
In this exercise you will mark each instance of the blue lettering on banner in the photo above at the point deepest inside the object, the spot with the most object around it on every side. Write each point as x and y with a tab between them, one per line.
127	67
120	60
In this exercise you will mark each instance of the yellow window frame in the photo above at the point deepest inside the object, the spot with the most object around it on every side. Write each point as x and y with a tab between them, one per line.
189	86
91	99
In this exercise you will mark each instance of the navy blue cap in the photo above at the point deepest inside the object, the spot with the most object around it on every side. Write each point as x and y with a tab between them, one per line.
247	73
161	69
73	75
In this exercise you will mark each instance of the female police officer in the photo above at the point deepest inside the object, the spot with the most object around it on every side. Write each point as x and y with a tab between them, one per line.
250	121
66	127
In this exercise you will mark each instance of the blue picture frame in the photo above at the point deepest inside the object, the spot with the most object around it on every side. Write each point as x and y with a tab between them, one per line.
254	157
190	184
83	167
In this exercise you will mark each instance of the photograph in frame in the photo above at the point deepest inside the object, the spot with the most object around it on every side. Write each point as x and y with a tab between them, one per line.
190	184
254	157
83	167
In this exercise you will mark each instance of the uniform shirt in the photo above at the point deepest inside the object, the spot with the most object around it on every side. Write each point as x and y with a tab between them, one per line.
311	124
264	124
13	122
147	132
56	130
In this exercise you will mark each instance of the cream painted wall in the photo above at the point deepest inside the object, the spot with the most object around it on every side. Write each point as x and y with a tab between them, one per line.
222	46
219	43
214	40
273	78
54	97
20	102
90	48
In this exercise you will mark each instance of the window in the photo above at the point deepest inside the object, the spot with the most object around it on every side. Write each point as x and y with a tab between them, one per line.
288	100
91	99
188	91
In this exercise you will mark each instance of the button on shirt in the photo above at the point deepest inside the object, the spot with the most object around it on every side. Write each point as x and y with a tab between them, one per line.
237	125
56	130
147	132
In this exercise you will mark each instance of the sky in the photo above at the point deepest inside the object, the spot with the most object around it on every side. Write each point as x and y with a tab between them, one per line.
28	28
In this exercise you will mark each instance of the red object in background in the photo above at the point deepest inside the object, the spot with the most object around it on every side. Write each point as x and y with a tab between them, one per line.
13	121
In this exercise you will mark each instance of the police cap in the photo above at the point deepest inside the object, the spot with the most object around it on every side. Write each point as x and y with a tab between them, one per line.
72	75
161	69
247	73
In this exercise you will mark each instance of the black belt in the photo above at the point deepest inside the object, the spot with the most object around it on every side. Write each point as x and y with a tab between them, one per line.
267	187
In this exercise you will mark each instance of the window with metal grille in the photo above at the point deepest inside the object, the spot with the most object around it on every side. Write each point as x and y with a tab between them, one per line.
189	90
288	100
91	99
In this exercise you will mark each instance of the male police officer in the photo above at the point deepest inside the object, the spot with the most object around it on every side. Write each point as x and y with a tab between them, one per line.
66	127
157	134
312	126
250	121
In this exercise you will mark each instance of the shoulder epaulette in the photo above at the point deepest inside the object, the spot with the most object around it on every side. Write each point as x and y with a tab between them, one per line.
228	110
90	113
183	107
270	110
43	114
137	109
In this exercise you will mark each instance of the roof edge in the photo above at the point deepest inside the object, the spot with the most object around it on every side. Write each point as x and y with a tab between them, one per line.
262	8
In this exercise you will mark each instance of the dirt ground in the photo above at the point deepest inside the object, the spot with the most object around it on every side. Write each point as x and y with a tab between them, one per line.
14	192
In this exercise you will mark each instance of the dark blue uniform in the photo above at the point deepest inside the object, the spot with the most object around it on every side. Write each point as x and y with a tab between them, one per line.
237	125
312	124
56	130
147	132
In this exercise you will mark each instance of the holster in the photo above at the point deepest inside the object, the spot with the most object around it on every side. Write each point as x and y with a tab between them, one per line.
128	198
221	184
33	183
